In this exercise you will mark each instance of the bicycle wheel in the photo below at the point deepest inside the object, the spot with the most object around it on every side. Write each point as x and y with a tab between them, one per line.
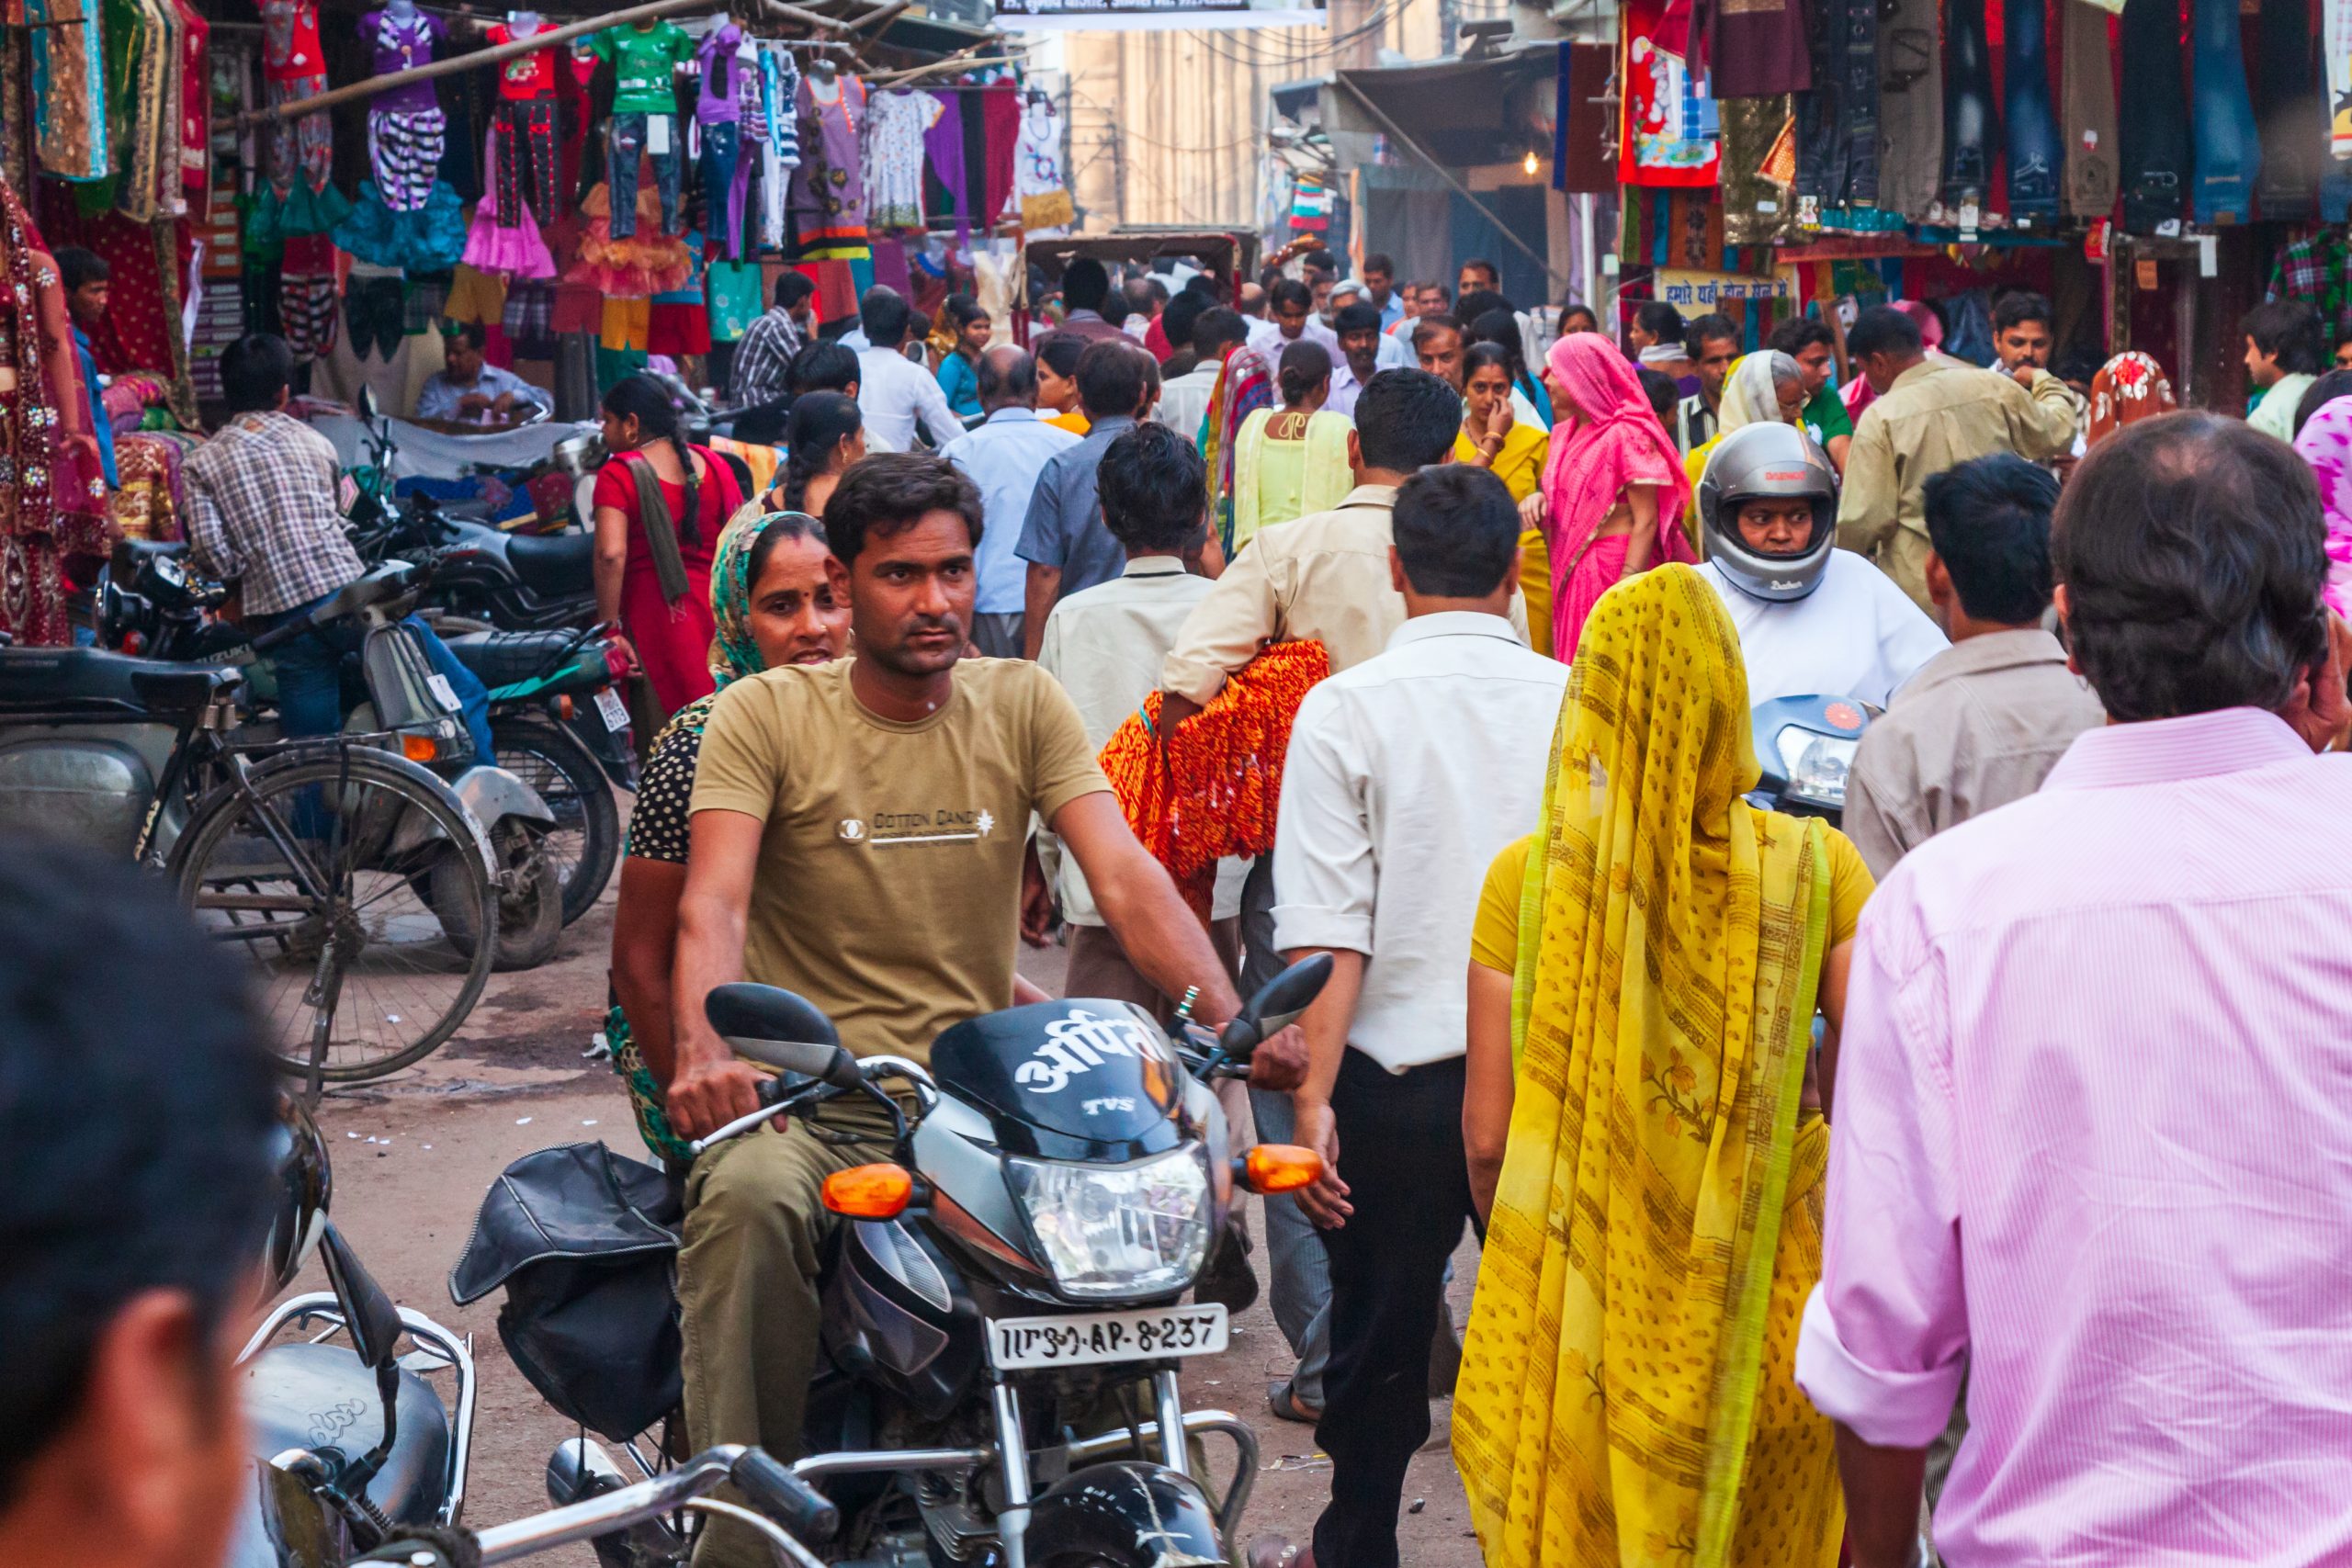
585	845
322	870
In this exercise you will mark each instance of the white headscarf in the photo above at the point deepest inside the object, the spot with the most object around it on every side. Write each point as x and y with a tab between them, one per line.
1748	391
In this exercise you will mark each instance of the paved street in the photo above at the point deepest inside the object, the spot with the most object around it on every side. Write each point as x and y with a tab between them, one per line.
515	1080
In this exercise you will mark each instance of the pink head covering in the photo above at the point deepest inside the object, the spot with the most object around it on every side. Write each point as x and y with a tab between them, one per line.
2325	442
1607	436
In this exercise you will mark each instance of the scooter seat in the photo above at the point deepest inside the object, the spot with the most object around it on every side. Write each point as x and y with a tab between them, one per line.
555	566
502	659
51	678
321	1397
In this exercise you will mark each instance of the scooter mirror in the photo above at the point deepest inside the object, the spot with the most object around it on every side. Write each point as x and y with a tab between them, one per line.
780	1030
368	1314
369	410
1277	1005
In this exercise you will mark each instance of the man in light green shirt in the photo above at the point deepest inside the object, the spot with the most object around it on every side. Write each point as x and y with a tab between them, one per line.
1932	413
2284	352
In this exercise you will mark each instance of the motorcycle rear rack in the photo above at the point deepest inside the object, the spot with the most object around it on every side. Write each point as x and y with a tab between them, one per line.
437	1343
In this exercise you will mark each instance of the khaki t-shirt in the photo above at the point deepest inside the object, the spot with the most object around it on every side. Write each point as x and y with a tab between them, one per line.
888	887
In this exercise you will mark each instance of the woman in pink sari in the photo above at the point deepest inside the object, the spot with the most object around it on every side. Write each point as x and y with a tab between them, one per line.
1613	489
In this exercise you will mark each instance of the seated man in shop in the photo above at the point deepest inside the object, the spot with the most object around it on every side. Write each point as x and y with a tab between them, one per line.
471	391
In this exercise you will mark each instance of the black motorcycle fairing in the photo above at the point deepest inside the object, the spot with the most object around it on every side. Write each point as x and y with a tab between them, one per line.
896	1311
1125	1514
1082	1079
320	1398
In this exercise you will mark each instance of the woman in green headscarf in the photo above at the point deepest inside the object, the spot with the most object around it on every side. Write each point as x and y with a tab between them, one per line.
774	605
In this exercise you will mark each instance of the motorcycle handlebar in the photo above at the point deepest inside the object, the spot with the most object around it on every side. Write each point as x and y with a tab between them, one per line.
796	1510
784	1497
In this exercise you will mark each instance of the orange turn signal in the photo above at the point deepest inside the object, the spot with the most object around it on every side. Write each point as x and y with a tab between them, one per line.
869	1191
1280	1168
563	708
420	748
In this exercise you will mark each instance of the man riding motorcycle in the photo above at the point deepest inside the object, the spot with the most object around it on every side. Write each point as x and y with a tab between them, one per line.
857	837
1813	619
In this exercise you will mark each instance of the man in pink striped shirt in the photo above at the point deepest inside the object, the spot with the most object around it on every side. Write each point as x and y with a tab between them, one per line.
2093	1120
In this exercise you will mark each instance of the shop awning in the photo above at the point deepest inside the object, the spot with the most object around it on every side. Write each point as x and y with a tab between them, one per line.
1463	112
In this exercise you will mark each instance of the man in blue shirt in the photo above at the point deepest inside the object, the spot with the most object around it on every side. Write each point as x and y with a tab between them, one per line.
1004	456
473	391
1062	537
1380	284
86	277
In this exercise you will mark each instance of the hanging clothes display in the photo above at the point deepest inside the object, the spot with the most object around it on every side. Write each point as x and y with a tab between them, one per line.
1670	135
1910	107
509	249
2335	51
896	123
945	194
68	97
2228	146
2153	138
405	125
679	321
825	207
2035	155
524	164
2288	74
718	121
1037	182
642	263
195	111
293	66
1750	49
2086	109
430	239
52	494
644	126
780	152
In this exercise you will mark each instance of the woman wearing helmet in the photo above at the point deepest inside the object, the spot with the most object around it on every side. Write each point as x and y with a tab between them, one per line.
1814	620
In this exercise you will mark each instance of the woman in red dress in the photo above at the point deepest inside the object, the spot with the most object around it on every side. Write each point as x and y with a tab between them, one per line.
660	505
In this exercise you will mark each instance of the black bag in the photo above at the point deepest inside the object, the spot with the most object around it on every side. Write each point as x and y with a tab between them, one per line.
586	1244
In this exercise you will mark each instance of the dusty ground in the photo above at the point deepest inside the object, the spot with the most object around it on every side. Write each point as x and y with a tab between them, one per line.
413	1155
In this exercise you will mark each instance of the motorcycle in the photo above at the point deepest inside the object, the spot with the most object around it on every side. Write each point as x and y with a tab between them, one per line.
1805	747
506	581
1006	1288
351	1442
148	603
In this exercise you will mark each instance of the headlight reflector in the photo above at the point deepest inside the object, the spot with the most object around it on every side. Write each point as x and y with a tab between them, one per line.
1816	765
1118	1231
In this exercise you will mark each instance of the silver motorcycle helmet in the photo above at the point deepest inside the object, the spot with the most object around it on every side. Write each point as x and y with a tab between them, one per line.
1751	463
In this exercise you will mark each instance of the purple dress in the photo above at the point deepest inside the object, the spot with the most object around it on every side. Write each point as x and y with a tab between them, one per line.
942	148
827	202
395	45
405	126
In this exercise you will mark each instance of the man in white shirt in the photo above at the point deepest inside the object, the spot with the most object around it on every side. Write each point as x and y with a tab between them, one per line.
1185	401
1359	338
1814	620
1003	457
1406	774
1387	354
894	392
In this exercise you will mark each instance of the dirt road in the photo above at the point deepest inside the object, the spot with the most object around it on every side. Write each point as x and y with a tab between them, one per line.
413	1155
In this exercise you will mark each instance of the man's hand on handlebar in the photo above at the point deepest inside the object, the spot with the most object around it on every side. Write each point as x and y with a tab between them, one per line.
1280	1064
705	1096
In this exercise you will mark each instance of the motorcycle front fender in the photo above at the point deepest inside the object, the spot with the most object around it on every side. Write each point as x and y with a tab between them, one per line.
1126	1514
490	795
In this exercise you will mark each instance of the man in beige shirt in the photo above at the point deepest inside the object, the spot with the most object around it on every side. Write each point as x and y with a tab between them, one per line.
1983	722
1932	413
1325	576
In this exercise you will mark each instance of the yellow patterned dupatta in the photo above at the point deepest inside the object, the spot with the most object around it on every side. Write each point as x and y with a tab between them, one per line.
1626	1382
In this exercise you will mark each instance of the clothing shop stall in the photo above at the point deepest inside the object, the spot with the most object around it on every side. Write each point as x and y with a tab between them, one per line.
1794	156
362	179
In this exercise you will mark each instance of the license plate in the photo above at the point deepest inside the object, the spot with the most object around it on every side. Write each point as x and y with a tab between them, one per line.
1085	1338
444	692
615	712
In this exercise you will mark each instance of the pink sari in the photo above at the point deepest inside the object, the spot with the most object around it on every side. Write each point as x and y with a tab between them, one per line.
2325	442
1614	441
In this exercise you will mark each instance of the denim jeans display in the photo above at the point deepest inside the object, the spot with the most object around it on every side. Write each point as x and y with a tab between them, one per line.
2288	75
2228	146
721	151
1971	126
2154	127
1837	143
2034	153
627	140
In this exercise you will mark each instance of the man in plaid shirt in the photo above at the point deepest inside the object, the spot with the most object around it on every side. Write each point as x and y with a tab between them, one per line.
765	353
263	516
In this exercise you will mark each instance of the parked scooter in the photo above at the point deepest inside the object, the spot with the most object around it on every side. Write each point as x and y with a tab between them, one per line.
148	603
351	1442
1005	1303
1805	747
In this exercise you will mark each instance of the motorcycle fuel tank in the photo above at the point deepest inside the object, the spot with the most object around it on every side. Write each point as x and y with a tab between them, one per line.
1081	1078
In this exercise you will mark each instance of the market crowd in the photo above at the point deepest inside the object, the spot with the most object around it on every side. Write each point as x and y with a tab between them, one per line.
1965	1177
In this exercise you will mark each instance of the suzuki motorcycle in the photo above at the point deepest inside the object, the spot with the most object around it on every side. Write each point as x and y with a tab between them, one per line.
507	580
1004	1316
1805	747
352	1440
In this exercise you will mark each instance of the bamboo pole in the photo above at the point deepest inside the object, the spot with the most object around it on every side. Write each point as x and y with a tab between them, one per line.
552	38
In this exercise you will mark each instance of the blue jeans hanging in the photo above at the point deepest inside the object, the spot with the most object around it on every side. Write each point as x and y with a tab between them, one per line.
626	142
721	150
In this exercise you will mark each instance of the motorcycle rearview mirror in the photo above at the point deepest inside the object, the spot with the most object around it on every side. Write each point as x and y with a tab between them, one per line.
778	1029
1276	1006
369	410
368	1314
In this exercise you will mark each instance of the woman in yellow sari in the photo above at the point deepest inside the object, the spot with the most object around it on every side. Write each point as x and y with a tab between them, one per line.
1627	1382
1515	454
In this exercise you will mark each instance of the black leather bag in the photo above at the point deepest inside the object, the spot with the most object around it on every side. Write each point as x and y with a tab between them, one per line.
586	1245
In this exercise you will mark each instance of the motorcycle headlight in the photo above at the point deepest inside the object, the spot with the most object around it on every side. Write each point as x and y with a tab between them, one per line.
1816	765
1122	1231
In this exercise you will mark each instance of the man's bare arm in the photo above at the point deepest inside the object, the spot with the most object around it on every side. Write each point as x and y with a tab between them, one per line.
1882	1490
708	1086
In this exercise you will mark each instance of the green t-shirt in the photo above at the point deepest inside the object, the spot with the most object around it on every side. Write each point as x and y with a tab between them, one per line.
643	64
1825	418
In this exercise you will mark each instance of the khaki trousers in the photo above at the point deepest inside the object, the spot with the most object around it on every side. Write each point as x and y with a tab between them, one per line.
747	1297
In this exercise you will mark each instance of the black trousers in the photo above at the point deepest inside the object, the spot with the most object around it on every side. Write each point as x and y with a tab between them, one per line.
1400	1153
